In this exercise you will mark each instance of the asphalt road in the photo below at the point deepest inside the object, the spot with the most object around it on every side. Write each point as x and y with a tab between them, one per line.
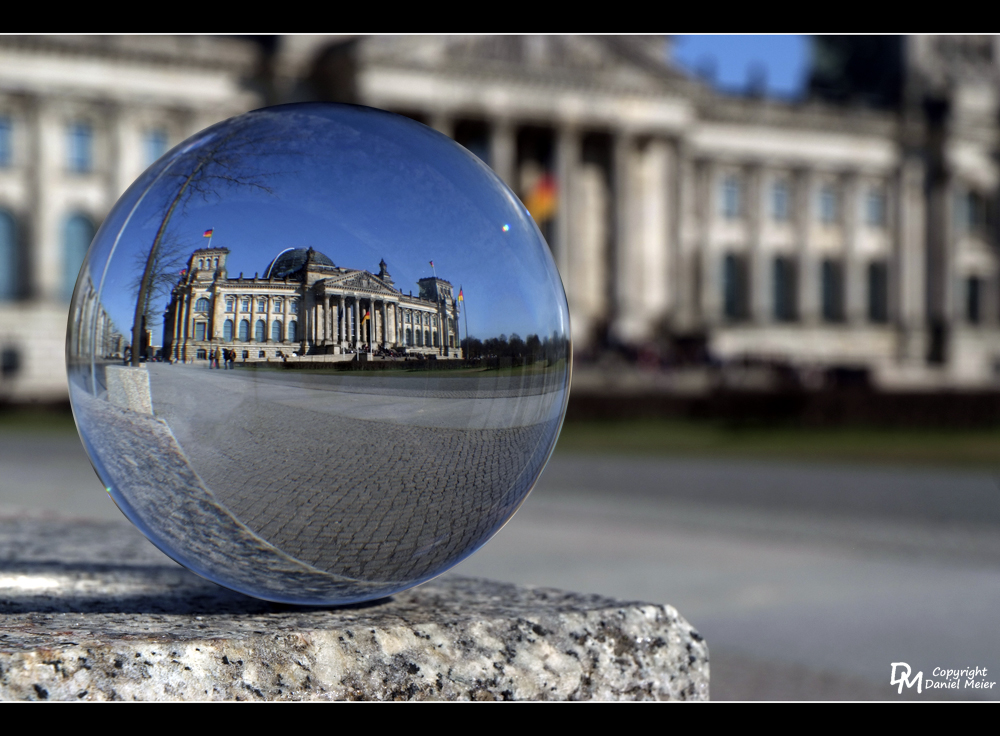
807	581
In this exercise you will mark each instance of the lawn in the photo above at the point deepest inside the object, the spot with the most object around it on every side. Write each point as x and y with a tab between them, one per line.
973	449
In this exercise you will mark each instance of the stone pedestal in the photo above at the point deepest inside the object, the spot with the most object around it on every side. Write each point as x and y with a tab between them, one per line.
94	612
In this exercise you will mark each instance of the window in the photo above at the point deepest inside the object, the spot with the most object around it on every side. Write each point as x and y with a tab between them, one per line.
780	196
201	354
78	233
409	336
971	213
276	331
875	208
80	148
829	204
294	306
154	145
420	338
973	297
230	305
785	303
244	305
199	331
6	144
260	354
258	331
293	328
731	197
427	338
244	331
277	305
832	277
201	305
734	287
878	292
227	331
9	261
262	305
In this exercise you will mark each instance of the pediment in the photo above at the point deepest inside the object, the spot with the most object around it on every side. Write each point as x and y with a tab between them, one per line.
359	281
636	61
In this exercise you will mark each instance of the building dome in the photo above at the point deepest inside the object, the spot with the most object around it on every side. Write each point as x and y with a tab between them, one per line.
291	260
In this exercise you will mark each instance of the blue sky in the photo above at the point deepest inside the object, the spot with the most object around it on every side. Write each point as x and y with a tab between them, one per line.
359	186
785	59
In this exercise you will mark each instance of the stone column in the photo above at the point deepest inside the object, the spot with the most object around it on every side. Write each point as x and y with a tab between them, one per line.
356	337
46	221
567	168
708	301
341	320
624	203
757	281
503	150
855	275
807	271
684	281
385	324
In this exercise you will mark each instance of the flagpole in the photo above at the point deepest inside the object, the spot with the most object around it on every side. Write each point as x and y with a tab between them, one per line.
466	312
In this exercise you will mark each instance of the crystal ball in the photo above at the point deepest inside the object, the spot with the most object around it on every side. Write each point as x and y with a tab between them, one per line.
319	353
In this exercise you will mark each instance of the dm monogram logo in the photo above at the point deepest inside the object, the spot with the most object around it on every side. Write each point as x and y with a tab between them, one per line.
904	677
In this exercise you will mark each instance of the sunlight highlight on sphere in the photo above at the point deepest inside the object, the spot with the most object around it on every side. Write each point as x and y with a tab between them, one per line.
306	362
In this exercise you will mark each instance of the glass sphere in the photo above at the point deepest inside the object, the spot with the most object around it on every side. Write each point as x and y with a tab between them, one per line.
319	353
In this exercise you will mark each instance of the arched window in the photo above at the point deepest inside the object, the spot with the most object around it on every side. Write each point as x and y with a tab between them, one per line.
227	331
436	340
427	338
409	336
201	305
244	330
78	233
293	329
258	331
276	331
201	263
8	257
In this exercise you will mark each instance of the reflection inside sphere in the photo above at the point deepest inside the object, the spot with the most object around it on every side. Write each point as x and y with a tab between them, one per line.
319	353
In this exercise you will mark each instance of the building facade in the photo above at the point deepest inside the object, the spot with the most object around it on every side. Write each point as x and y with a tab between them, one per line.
305	305
80	119
856	228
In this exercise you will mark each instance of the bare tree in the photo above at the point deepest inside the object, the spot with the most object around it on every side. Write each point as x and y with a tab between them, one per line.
225	160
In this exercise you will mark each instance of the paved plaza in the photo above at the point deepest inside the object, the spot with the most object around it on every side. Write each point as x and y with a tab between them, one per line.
368	478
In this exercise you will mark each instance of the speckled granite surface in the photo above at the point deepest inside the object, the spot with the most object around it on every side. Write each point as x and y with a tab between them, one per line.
94	612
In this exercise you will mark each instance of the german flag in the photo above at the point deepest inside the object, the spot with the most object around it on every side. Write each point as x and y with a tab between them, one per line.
543	200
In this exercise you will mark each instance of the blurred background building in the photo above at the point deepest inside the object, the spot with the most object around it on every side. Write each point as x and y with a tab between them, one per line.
850	232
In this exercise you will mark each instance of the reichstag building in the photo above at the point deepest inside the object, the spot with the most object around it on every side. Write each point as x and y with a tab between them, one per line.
855	227
305	305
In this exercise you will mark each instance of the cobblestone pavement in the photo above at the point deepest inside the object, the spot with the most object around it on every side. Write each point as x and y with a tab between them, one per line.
395	494
165	497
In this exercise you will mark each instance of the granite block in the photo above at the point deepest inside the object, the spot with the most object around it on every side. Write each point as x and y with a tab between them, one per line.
91	611
128	388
